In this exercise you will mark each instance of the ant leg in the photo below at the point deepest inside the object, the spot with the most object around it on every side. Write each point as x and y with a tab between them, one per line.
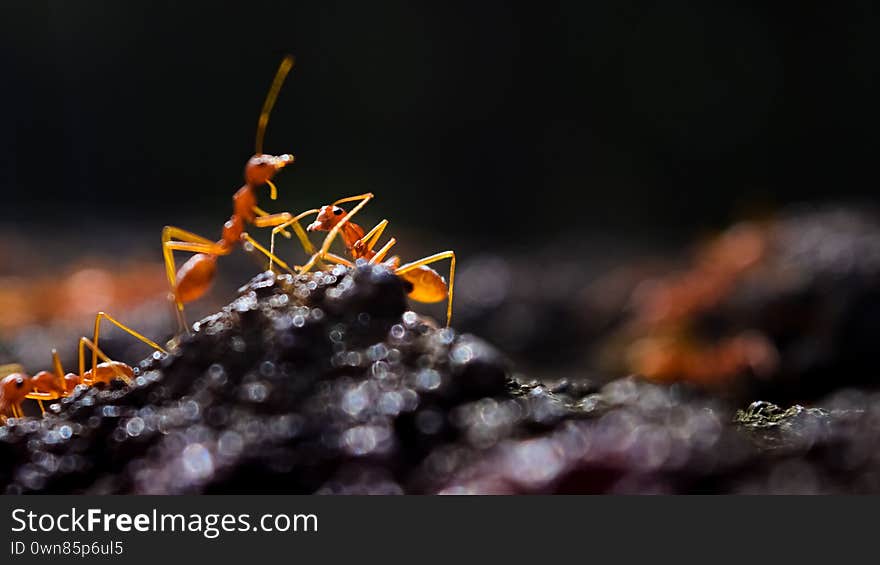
356	198
86	342
374	234
298	230
271	220
262	214
42	396
182	326
432	259
383	252
207	249
121	326
56	365
368	241
334	258
48	396
325	247
264	251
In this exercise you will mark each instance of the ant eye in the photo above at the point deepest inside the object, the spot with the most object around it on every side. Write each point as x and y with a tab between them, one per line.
19	382
337	210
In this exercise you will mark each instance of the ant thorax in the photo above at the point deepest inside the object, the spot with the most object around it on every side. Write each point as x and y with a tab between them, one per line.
243	202
232	230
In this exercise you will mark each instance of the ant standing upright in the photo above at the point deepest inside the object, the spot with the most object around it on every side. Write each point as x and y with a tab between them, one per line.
195	276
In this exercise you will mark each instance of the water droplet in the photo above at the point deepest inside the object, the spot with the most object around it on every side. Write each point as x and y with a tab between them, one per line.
197	461
428	379
190	409
238	345
391	403
377	352
355	400
134	427
462	353
267	369
217	374
410	319
230	444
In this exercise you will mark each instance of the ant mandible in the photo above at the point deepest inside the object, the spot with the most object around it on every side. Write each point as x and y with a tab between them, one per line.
17	385
195	276
427	284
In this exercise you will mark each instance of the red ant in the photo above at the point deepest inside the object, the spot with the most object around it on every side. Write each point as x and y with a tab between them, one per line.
195	276
427	285
17	386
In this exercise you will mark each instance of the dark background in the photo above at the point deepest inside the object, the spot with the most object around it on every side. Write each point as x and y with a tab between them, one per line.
485	121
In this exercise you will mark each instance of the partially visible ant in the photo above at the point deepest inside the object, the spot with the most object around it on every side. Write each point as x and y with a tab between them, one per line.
427	284
17	385
195	276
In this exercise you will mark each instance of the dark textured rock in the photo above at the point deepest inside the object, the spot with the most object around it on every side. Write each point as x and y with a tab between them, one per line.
327	383
297	381
633	436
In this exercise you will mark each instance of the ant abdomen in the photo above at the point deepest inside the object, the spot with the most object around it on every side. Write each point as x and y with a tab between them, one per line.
106	372
428	285
195	277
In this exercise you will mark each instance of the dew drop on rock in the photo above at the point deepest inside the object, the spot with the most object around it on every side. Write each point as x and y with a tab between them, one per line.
197	461
134	427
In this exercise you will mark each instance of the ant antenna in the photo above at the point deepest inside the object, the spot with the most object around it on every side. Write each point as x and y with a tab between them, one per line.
283	69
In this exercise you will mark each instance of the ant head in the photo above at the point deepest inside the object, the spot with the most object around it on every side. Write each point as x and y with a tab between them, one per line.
328	217
261	168
14	387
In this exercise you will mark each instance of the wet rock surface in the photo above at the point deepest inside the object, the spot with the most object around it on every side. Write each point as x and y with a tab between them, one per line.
327	383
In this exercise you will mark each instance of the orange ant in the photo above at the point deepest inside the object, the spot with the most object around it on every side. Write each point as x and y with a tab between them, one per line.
195	276
427	285
17	386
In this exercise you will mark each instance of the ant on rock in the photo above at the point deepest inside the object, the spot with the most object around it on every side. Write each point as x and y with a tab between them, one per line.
427	284
16	385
